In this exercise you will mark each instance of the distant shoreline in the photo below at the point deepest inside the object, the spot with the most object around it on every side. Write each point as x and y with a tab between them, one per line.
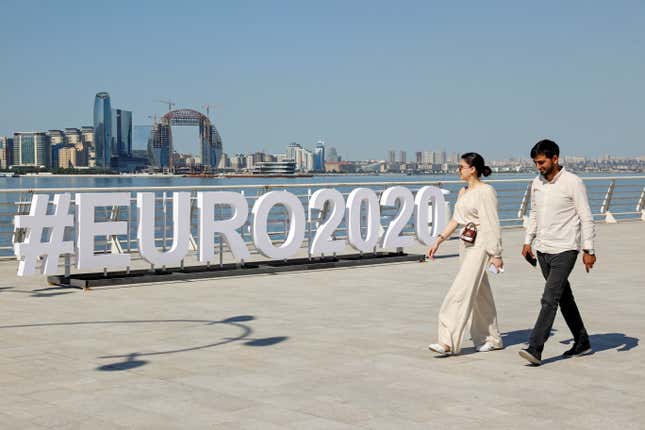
224	176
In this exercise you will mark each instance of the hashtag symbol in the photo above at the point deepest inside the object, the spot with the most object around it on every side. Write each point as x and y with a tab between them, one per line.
33	248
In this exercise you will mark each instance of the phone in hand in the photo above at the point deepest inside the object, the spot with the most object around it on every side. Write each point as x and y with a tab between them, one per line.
495	270
531	260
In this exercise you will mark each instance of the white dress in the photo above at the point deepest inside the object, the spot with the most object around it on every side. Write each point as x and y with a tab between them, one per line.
470	293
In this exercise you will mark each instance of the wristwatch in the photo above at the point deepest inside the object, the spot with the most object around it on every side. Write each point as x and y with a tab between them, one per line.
589	251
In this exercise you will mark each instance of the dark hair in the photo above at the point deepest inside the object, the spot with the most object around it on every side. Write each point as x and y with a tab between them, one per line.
546	147
477	161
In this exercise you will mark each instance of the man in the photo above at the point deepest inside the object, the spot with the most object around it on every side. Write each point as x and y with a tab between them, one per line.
560	225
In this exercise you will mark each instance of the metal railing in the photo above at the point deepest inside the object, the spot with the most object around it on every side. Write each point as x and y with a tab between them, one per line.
612	199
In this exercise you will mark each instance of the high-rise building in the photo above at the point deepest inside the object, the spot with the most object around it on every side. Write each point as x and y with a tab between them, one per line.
56	137
6	152
224	162
439	157
66	157
331	155
212	154
121	133
158	147
292	150
238	161
74	138
303	158
427	157
419	157
391	157
319	156
87	137
403	157
103	130
307	160
57	141
31	149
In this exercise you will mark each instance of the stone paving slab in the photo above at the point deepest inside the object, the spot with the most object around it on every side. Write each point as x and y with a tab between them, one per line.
330	349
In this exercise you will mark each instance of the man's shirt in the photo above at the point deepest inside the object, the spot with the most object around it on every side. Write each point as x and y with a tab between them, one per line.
560	218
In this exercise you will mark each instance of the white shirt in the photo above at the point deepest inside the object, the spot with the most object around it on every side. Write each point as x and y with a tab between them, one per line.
479	206
560	218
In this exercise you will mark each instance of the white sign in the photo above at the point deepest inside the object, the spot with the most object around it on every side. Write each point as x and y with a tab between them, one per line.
327	210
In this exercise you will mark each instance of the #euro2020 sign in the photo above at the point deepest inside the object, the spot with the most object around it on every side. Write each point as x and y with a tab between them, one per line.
413	208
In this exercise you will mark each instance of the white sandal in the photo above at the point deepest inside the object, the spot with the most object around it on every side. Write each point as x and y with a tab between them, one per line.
439	349
487	347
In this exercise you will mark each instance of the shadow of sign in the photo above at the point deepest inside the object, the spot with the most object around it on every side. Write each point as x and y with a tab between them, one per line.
133	360
41	292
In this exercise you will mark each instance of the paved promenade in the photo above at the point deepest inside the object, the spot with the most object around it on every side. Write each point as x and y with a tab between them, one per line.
334	349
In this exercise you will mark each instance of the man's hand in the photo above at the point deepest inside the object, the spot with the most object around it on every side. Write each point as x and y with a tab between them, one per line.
526	250
588	260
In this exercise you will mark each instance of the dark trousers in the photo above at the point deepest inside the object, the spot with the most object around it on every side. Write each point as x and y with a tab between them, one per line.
557	291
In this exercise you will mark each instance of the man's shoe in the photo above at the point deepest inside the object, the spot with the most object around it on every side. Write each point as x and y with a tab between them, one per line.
531	356
578	349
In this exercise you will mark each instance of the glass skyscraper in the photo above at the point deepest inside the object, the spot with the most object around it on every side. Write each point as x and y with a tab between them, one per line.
32	149
121	133
319	156
103	129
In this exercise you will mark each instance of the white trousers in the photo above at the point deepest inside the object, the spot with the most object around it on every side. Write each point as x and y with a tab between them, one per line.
469	298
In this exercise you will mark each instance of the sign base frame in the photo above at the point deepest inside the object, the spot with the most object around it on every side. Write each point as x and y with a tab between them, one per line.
139	276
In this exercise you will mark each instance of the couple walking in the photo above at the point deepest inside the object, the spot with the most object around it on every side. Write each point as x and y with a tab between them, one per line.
560	225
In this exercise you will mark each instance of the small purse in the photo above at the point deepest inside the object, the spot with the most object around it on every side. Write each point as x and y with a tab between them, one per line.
469	233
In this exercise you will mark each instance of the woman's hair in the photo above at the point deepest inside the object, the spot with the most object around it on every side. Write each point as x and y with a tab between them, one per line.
477	161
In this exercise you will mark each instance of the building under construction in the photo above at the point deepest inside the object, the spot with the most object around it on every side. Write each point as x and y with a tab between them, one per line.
160	146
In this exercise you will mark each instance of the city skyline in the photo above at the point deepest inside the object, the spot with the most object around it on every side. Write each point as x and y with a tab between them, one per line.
492	78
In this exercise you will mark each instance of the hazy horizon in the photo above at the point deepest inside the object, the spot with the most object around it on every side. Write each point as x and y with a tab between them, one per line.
366	77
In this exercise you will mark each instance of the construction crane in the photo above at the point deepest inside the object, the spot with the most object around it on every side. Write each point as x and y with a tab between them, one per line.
170	103
153	117
208	107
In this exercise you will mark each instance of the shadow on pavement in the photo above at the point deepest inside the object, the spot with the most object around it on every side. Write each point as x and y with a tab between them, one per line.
607	341
599	343
41	292
518	337
131	360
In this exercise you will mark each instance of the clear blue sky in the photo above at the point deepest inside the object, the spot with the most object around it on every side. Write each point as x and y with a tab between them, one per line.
367	76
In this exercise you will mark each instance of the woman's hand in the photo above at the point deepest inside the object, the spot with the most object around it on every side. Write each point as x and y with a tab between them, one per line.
433	250
497	262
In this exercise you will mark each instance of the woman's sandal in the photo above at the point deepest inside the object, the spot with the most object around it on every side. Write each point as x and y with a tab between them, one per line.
439	349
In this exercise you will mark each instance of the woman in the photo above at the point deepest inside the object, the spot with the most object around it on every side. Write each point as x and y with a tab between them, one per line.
470	292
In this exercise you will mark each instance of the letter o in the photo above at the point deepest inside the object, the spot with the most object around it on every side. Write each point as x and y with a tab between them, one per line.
297	224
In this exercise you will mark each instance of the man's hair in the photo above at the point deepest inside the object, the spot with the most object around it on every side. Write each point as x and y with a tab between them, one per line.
546	147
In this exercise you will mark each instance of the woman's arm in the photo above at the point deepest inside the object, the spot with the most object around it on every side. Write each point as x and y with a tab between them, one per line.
489	221
444	235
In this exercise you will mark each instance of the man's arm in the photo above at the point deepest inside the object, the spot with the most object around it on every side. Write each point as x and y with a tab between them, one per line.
531	227
587	227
